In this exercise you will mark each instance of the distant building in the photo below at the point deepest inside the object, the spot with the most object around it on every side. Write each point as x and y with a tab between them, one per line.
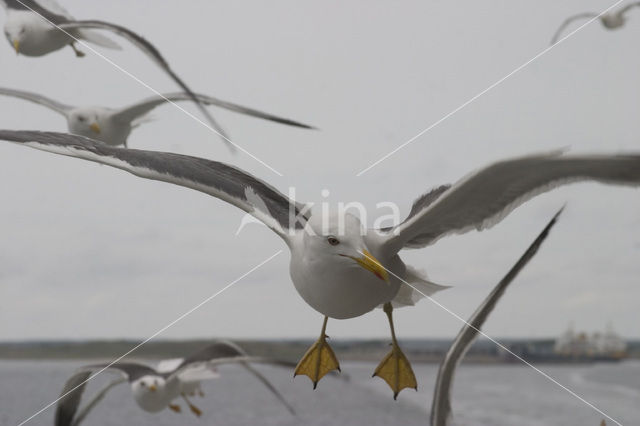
580	344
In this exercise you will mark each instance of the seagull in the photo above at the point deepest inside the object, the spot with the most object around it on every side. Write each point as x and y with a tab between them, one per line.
155	389
441	405
113	126
39	27
610	20
338	267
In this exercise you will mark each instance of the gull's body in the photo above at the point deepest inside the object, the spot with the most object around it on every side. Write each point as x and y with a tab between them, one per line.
156	389
610	20
39	27
114	125
337	270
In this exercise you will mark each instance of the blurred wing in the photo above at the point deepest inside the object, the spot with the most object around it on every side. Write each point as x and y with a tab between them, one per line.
441	405
132	112
211	177
71	394
168	365
568	21
484	198
155	55
38	99
629	6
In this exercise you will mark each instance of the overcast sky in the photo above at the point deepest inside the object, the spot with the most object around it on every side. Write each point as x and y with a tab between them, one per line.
87	251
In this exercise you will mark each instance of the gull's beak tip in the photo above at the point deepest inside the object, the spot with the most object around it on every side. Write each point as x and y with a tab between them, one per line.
95	127
370	263
153	388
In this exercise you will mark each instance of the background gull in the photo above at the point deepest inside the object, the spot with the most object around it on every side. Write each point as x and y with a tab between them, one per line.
339	268
610	20
37	27
155	389
113	126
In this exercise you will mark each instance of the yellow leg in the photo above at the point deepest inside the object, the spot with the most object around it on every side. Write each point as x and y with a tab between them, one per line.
395	368
195	410
175	407
319	359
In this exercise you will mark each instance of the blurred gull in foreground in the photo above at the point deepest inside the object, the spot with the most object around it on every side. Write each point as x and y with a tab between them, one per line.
156	389
39	27
113	126
441	405
610	20
340	268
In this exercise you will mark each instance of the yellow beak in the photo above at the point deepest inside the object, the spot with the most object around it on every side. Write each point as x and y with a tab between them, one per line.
16	45
95	128
372	264
153	388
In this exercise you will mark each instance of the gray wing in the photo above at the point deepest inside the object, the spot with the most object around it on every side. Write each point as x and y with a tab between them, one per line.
71	395
137	110
38	99
151	51
225	352
568	21
55	17
441	405
484	198
211	177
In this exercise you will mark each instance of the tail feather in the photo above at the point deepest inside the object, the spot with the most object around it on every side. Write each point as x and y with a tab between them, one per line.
419	288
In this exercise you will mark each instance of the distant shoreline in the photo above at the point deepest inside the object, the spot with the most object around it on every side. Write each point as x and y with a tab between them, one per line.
423	350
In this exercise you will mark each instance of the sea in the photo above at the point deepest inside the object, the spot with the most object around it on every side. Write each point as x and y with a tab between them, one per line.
483	395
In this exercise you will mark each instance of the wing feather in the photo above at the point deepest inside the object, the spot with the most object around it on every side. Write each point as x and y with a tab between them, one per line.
38	99
441	405
484	198
211	177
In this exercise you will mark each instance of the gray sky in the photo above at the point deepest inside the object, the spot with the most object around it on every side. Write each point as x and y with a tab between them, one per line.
89	251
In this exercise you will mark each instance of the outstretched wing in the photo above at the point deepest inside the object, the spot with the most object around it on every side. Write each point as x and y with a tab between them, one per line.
38	99
71	395
211	177
225	352
568	21
155	55
137	110
484	198
441	405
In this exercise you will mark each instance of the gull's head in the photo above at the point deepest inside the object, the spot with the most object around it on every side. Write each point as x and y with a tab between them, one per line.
15	31
150	392
338	238
89	122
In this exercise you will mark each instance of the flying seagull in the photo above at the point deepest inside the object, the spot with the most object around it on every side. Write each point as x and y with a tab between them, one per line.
155	389
39	27
610	20
339	268
441	405
113	126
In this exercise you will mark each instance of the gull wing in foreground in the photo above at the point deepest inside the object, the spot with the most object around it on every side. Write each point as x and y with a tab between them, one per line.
217	179
38	99
132	112
487	196
441	405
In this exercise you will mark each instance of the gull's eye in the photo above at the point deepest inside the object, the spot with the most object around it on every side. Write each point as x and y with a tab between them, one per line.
333	240
22	30
82	118
142	384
